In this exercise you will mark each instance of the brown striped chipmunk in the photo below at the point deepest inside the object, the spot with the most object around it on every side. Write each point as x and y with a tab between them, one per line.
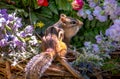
53	48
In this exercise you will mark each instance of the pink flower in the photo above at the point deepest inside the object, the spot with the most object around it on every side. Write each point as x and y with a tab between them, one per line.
77	4
42	2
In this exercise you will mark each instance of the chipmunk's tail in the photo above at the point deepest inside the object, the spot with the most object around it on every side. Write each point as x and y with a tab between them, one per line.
39	64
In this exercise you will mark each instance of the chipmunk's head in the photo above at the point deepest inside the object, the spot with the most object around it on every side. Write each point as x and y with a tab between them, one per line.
69	22
70	25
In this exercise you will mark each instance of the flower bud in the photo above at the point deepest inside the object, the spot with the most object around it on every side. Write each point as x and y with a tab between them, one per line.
42	2
77	4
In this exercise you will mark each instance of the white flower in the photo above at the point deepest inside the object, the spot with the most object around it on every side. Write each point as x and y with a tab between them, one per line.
14	63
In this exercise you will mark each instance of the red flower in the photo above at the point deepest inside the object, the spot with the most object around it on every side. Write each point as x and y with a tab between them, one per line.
42	2
77	4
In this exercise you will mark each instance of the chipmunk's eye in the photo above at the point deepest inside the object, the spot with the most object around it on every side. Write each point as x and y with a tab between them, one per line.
73	22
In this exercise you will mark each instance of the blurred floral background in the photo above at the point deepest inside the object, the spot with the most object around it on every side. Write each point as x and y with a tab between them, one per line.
23	22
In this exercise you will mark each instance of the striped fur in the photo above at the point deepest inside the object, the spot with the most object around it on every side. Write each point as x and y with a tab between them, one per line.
38	65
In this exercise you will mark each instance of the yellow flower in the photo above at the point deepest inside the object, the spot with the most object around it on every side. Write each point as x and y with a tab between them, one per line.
39	24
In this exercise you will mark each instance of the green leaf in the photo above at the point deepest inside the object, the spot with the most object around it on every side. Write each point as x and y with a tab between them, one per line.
20	38
8	28
93	23
46	12
25	2
87	24
33	17
4	5
63	5
35	4
53	8
22	12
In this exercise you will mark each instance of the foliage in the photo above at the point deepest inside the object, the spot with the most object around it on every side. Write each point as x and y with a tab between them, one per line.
111	66
39	17
89	30
97	56
33	14
99	14
16	42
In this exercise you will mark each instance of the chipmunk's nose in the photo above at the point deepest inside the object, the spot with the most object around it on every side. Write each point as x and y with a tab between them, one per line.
80	23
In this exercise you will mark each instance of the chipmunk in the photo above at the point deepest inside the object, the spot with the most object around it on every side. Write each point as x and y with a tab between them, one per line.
52	46
70	26
53	49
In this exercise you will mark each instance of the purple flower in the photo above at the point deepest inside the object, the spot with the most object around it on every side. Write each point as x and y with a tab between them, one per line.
17	23
107	32
110	6
98	39
9	38
117	21
117	12
3	42
101	18
17	43
22	34
28	30
90	17
115	27
11	17
2	23
1	35
2	20
92	4
97	11
113	16
4	13
114	32
10	34
116	45
82	13
87	44
95	48
85	14
89	14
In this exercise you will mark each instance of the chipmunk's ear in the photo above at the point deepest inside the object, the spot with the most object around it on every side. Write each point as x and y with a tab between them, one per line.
63	18
62	15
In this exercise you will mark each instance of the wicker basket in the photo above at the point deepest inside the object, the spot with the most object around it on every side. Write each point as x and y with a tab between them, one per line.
57	72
